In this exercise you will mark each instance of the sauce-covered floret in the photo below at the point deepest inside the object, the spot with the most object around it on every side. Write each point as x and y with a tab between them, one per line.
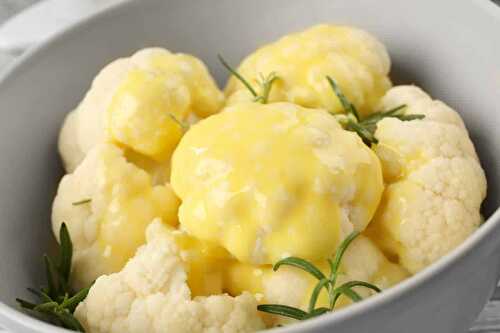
269	181
301	61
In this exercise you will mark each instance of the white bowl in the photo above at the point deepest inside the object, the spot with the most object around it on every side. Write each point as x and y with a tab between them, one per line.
451	48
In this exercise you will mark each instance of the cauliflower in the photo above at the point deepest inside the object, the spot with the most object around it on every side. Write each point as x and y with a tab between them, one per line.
139	104
269	181
254	184
436	184
362	261
107	204
151	295
354	58
205	263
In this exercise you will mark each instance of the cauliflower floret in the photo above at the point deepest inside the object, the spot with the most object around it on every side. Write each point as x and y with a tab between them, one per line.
117	200
69	148
405	146
436	184
151	295
205	263
362	261
354	58
269	181
138	103
418	102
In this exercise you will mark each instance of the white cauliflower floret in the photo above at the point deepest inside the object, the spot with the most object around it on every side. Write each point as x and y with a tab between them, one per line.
406	146
436	184
107	204
418	102
85	126
138	103
151	295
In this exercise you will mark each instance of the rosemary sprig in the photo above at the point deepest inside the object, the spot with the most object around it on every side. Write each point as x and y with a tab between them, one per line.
265	82
366	127
57	301
324	282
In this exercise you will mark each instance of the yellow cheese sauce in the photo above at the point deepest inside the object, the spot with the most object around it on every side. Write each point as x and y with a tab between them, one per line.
225	171
142	114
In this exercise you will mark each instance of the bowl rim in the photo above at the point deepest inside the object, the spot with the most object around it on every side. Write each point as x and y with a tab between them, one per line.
12	317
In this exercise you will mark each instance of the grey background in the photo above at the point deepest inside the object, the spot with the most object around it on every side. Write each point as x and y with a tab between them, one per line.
489	319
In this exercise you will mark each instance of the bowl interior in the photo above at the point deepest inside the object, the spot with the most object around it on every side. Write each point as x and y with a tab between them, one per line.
445	57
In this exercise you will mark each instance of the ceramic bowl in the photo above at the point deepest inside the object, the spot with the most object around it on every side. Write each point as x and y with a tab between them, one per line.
451	48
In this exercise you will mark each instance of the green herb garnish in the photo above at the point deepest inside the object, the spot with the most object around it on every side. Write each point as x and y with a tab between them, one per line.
57	301
366	127
324	282
82	202
265	82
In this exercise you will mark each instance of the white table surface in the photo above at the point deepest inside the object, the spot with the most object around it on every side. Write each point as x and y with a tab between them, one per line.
487	322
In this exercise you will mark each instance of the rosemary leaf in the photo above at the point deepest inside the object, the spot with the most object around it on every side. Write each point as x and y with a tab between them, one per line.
182	124
265	83
283	310
366	135
46	307
73	302
82	202
50	271
69	321
335	264
334	296
35	292
377	116
302	264
353	295
348	107
45	298
65	256
410	117
25	304
396	109
323	283
316	312
237	75
352	284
